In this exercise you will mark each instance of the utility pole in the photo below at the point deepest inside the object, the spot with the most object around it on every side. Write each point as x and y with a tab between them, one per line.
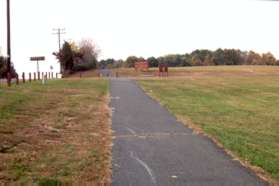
8	44
59	32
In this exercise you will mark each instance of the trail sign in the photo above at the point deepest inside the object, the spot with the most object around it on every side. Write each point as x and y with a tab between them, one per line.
37	58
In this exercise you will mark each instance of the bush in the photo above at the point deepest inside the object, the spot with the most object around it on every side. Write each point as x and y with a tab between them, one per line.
3	68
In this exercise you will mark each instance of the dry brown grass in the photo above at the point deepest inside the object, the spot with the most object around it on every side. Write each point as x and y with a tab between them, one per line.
69	142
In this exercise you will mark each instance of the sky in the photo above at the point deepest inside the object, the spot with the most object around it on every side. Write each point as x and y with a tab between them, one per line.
138	27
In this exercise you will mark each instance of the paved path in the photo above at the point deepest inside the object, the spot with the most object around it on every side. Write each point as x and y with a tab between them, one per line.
105	72
152	148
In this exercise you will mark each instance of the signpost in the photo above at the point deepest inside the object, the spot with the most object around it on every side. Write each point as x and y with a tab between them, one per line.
38	58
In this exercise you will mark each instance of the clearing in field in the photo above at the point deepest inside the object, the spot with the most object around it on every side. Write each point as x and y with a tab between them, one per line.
238	106
57	133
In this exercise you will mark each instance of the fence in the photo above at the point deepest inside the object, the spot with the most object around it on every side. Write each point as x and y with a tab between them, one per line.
29	77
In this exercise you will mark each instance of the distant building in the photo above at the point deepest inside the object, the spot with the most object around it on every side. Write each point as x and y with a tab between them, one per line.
141	66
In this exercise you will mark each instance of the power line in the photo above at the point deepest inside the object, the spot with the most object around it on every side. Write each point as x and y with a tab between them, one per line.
59	32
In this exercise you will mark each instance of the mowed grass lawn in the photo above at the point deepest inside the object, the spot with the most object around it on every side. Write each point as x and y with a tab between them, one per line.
241	112
55	133
196	71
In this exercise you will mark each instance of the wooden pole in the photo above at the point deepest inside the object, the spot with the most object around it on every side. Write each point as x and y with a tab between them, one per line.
17	79
30	77
8	44
23	77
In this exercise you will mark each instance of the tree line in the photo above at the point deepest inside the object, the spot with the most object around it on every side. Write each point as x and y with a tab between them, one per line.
84	56
198	58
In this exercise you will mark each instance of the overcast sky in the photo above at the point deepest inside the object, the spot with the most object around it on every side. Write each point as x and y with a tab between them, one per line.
139	27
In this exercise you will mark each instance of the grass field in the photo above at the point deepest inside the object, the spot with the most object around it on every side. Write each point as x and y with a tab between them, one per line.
57	133
187	71
240	111
201	71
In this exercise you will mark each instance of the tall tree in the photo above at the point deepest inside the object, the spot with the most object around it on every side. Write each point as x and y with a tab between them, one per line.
66	57
89	51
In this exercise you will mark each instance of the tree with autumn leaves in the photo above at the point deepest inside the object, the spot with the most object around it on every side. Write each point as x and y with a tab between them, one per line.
78	57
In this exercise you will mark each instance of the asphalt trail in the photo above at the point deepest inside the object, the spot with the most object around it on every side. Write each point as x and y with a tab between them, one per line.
152	148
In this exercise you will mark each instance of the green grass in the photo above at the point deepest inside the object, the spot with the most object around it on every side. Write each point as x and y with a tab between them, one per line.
201	70
17	99
59	119
240	112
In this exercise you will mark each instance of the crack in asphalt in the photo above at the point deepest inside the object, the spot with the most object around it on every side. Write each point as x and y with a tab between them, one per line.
146	167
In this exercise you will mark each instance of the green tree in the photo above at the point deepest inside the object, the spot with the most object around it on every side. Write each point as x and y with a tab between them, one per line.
108	63
201	55
66	57
172	60
153	62
218	57
130	61
186	60
232	57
